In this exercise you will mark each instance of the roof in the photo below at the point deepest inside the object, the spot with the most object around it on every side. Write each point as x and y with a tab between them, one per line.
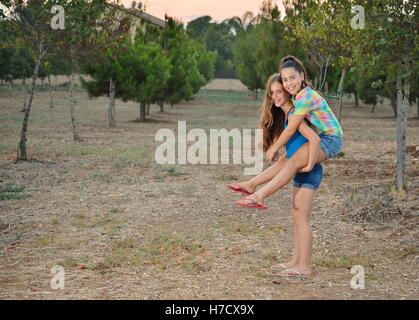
142	15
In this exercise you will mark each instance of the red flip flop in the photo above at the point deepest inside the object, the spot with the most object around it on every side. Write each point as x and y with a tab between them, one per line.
241	190
252	204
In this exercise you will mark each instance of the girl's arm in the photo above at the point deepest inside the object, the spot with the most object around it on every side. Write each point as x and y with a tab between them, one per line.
294	122
313	145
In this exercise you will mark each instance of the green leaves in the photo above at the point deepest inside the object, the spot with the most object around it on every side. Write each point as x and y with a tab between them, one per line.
258	50
197	28
246	60
391	35
160	65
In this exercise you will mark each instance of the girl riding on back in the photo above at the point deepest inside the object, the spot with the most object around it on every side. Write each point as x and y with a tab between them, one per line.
312	107
309	105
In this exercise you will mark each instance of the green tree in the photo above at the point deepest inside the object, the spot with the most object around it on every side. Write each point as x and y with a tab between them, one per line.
326	32
30	23
309	48
219	38
197	28
6	65
390	47
272	44
205	59
244	23
246	61
54	66
185	76
78	40
22	65
142	72
269	44
113	38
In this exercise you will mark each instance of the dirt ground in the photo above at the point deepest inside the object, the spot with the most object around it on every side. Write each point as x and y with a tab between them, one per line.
124	227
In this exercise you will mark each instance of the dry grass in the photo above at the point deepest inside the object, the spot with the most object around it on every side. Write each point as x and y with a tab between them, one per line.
124	227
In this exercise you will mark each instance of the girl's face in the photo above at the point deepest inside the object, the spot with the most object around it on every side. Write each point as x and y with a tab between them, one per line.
278	95
292	80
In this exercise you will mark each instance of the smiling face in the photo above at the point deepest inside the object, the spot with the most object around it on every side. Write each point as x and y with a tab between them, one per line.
292	80
278	95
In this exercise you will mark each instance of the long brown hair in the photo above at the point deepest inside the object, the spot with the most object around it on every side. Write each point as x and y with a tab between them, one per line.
271	117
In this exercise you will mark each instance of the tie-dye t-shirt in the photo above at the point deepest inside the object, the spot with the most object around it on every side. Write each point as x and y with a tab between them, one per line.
316	110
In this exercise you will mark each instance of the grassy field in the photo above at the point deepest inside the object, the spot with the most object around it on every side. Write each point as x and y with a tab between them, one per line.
124	227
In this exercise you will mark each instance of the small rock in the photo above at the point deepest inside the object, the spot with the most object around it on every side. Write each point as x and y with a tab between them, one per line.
4	226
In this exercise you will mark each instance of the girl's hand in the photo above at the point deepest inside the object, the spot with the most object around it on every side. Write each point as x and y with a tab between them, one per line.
272	154
307	168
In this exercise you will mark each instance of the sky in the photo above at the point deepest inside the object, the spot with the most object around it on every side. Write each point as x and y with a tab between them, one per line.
187	10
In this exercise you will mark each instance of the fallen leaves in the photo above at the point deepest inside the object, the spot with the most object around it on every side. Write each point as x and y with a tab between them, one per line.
13	245
236	251
80	267
9	157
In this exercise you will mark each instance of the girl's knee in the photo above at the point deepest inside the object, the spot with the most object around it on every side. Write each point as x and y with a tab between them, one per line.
299	218
281	160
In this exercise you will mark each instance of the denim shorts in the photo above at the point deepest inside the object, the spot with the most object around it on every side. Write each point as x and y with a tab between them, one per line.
330	144
310	180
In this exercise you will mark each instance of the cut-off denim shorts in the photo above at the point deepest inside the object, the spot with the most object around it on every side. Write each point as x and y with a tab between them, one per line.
312	179
331	145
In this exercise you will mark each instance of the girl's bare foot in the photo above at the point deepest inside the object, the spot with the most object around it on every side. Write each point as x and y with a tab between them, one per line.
246	185
255	197
283	266
297	271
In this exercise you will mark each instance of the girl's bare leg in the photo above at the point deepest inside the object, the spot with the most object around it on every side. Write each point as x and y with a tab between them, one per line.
303	200
265	176
284	176
295	254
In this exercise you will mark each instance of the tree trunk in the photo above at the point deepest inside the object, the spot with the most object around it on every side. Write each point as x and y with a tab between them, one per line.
402	103
161	104
357	100
142	111
340	93
111	108
26	94
51	102
147	109
394	105
21	152
324	74
76	136
373	108
171	104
